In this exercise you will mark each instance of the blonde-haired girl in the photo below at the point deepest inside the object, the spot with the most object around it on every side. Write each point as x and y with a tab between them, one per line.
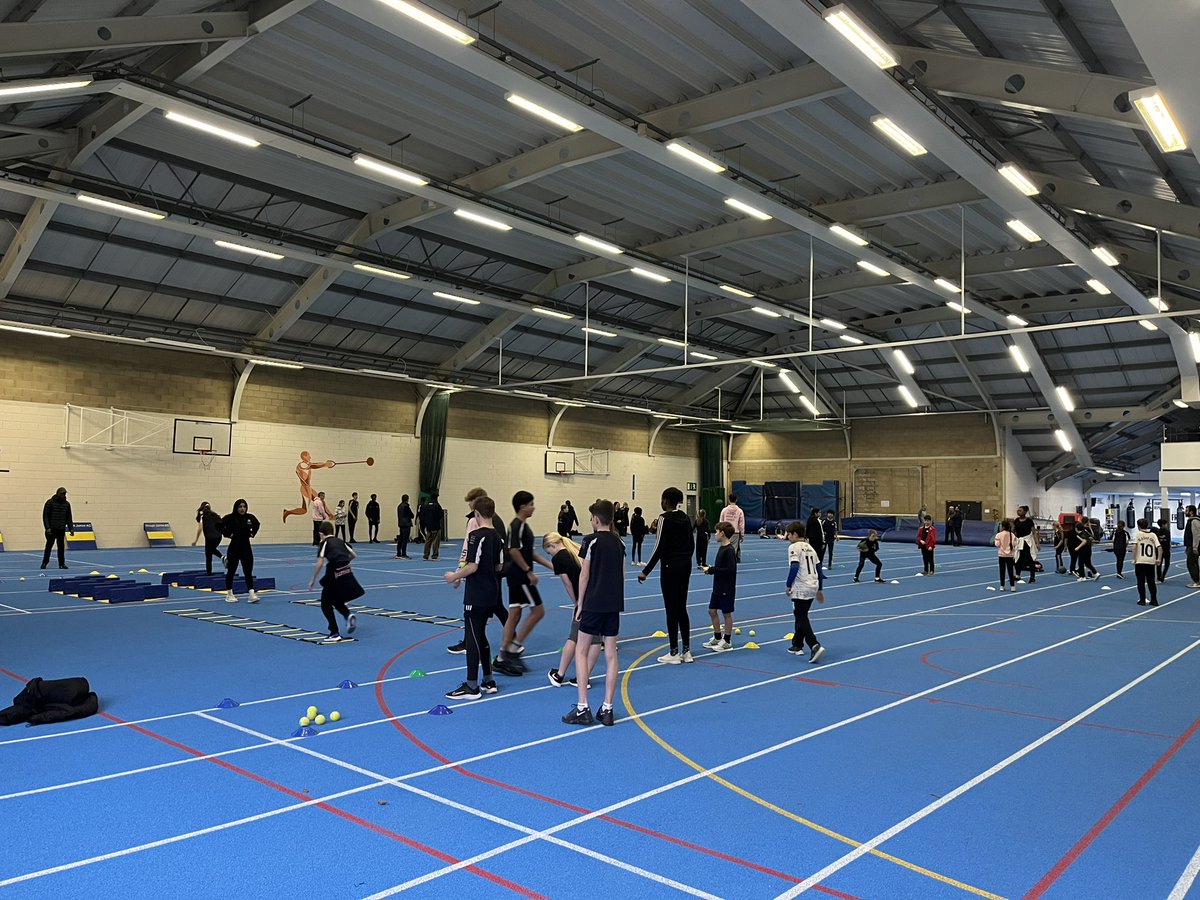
564	558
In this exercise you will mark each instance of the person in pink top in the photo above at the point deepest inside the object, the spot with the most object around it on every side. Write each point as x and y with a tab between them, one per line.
1006	548
734	516
319	514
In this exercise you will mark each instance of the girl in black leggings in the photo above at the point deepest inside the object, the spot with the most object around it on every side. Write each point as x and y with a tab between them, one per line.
239	526
673	548
208	524
867	548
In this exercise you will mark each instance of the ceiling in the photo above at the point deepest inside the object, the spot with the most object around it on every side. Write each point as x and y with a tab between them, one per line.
1040	83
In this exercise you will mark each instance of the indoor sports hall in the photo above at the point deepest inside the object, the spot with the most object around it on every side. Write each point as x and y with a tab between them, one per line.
727	448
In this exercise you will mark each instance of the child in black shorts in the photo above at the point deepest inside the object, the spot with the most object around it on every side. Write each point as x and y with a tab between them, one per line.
338	584
724	572
598	610
564	558
481	600
522	585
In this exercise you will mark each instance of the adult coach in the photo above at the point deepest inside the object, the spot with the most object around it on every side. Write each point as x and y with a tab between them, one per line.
353	517
430	516
734	516
373	520
57	520
1191	546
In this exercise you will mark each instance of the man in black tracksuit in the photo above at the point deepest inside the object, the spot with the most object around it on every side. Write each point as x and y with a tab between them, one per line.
352	518
814	532
404	524
373	520
57	520
829	531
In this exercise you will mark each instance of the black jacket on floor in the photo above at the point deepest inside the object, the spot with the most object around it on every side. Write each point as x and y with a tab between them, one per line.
42	702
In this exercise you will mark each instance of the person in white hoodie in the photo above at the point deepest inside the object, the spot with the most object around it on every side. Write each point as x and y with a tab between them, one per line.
805	583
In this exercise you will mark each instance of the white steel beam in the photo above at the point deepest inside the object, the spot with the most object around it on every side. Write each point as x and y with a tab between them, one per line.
57	38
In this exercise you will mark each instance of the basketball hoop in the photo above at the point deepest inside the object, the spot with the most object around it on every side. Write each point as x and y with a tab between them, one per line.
206	459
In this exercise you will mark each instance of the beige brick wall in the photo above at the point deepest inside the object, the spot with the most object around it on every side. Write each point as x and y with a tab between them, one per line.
326	398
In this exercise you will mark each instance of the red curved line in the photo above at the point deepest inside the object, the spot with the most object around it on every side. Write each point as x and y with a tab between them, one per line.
680	842
925	660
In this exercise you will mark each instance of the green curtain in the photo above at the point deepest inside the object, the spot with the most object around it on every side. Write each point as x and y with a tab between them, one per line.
433	446
712	480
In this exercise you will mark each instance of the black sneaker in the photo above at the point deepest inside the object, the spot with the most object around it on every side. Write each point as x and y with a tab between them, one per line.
460	648
605	716
507	667
464	692
577	716
880	581
488	687
817	652
1141	603
63	567
556	680
856	579
574	682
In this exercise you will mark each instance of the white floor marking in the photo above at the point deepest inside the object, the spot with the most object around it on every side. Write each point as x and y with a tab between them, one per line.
1187	878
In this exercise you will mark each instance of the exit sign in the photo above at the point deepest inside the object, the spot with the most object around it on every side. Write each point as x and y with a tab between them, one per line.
691	485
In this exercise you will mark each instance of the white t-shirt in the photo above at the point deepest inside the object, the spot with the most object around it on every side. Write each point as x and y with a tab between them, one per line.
808	581
1146	548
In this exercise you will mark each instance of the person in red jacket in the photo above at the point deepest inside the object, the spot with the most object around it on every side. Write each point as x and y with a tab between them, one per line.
927	540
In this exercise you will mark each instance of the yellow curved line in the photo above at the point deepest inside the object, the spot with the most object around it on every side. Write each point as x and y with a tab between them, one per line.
807	823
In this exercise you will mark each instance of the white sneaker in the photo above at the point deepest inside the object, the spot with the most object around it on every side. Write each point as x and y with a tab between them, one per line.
253	598
1013	588
670	659
1081	578
230	597
351	623
817	653
712	643
723	646
687	656
1191	584
515	649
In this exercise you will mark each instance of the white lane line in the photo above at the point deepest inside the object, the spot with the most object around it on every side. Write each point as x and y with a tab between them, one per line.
453	804
1187	879
658	791
927	810
15	608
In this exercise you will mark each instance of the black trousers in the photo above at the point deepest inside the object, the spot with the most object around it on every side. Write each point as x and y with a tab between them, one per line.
864	558
1074	570
1084	560
1008	567
55	536
1193	566
637	547
373	531
1146	578
316	533
479	652
353	522
829	552
339	531
1024	563
1165	563
330	602
927	560
701	549
956	536
675	575
403	536
1120	562
803	632
1058	552
239	554
211	549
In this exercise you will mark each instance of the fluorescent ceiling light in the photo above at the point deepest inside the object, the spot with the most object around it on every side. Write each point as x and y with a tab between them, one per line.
444	387
185	345
44	84
385	273
786	378
1151	106
671	342
419	14
809	405
541	112
857	34
1018	179
1098	287
946	285
904	363
651	276
736	291
275	363
209	128
570	403
695	157
587	329
1018	357
1122	475
1023	231
699	355
1158	303
1102	471
907	395
1181	404
39	332
1064	397
640	409
253	251
748	209
455	297
847	235
664	416
1194	338
898	135
833	324
851	339
958	307
533	394
482	220
1063	440
597	244
1105	256
764	364
554	313
740	427
873	269
101	202
769	313
388	170
384	373
1017	320
1147	324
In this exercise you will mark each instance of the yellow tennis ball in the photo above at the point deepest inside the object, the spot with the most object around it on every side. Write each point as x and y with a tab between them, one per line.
303	721
751	632
312	712
737	631
320	720
334	716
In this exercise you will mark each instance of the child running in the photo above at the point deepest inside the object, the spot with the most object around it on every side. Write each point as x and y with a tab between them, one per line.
239	526
927	541
522	580
338	584
868	548
1146	553
601	602
805	583
1084	539
564	559
1120	547
481	599
208	523
724	572
1006	550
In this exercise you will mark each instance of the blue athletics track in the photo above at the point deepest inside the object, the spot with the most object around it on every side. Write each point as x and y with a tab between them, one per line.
954	742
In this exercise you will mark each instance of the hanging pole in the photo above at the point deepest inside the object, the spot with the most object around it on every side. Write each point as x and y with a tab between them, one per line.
500	366
587	321
811	292
762	385
962	268
687	260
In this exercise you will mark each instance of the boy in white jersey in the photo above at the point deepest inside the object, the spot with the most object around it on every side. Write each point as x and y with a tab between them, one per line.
1147	552
805	583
